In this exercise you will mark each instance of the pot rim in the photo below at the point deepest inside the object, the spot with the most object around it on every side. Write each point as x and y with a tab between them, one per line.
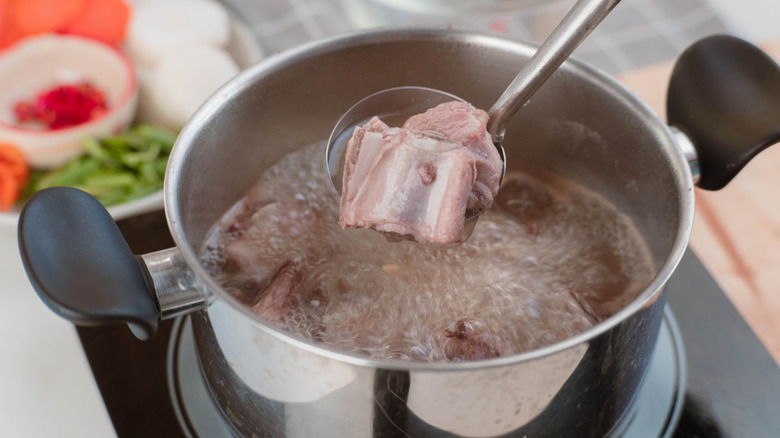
234	87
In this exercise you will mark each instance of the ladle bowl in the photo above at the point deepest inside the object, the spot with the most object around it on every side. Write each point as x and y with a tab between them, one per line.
395	105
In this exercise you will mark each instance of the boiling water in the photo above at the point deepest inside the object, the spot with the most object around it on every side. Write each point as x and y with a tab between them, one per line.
547	261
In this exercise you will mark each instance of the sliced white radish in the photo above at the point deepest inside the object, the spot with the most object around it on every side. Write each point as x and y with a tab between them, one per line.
147	112
185	79
157	29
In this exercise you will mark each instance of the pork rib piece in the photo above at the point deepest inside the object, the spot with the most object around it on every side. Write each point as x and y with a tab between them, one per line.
279	295
417	181
464	124
470	340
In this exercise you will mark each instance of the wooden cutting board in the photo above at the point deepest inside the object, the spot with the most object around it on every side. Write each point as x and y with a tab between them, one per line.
736	232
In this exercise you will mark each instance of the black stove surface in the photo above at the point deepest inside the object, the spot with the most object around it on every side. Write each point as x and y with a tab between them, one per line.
733	384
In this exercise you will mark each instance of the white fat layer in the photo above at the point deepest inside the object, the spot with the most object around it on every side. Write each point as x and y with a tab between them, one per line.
370	149
438	191
433	144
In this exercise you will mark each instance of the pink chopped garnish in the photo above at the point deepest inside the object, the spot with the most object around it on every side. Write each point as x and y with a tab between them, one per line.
63	106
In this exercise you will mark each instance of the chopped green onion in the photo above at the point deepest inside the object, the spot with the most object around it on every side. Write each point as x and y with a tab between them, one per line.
148	173
115	197
162	136
72	173
134	159
144	191
124	179
94	149
116	168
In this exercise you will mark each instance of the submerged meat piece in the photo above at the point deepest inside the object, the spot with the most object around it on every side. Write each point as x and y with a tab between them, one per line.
289	220
418	180
279	295
469	340
249	259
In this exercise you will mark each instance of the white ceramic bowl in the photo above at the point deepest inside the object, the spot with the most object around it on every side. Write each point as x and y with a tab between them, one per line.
43	62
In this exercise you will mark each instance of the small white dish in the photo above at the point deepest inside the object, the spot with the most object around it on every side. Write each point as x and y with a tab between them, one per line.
40	63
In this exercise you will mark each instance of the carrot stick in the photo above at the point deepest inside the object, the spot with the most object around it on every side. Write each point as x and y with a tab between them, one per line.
9	33
5	18
39	16
104	20
13	174
12	162
8	36
9	191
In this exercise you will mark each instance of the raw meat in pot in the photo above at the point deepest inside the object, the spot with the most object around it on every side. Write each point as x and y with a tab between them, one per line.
470	340
279	296
418	181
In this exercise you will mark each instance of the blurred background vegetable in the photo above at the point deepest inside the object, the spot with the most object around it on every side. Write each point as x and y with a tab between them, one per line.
13	175
114	169
104	20
178	53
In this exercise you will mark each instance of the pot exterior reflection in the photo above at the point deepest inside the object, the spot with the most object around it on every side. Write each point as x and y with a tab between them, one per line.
581	124
582	391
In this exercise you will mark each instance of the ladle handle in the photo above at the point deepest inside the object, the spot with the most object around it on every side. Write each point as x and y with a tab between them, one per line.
578	23
724	94
80	265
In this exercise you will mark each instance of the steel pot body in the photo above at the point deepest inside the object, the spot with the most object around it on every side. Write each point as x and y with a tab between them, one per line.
581	124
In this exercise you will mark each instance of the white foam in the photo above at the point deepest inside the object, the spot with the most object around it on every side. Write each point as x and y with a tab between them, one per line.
545	263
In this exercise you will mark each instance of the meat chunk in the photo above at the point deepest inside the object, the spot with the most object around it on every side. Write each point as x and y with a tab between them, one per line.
418	180
464	124
470	340
279	296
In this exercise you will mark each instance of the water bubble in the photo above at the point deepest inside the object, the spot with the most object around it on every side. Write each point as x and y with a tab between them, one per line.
511	281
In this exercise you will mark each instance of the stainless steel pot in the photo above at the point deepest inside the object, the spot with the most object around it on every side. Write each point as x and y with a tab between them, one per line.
581	124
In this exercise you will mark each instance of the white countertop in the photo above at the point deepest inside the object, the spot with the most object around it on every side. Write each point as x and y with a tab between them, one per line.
46	387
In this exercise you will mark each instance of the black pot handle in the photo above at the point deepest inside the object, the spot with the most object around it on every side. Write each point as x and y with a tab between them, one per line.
80	265
725	95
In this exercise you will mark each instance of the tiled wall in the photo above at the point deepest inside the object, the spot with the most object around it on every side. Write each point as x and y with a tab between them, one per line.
637	32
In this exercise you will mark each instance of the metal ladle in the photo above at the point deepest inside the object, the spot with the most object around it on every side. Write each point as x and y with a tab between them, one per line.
395	105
